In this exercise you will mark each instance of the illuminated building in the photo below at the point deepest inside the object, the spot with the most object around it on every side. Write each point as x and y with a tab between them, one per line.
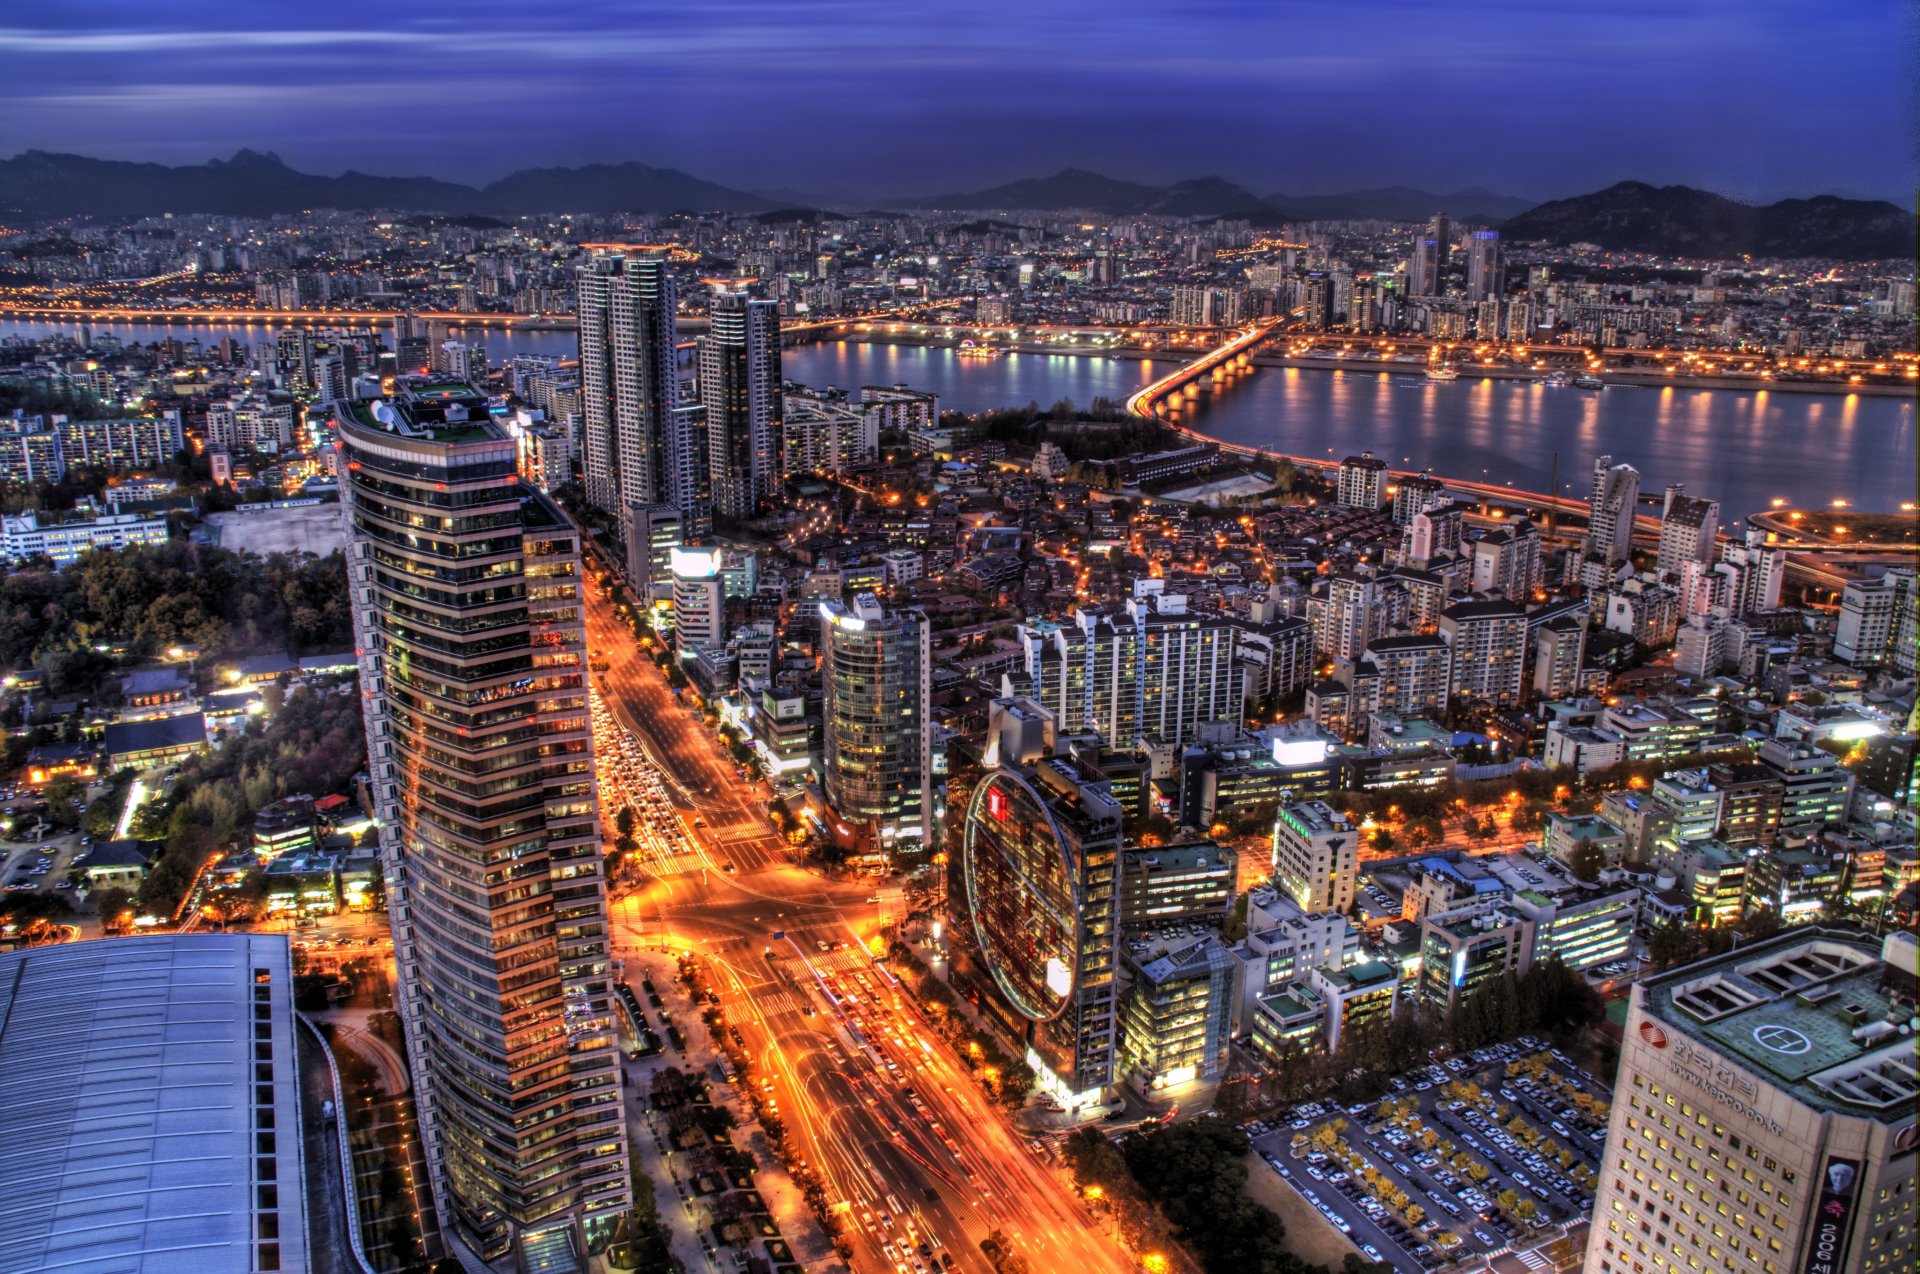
699	602
1176	1013
1687	529
1579	929
1153	669
1487	651
1763	1114
1176	884
1427	270
1611	504
1316	856
1486	268
1877	622
875	668
641	446
739	364
1039	849
1363	482
480	758
1465	949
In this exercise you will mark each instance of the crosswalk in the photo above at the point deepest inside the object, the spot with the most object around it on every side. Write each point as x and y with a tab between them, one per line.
1532	1259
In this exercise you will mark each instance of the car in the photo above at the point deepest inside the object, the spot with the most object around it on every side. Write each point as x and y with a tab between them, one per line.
1483	1236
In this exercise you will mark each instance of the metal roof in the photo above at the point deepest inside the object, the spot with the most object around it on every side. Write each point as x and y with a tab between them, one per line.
130	1139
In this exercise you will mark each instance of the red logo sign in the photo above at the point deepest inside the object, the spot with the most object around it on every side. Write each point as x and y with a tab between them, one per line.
1653	1035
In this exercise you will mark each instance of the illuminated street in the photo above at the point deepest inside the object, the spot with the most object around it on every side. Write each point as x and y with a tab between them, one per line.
902	1135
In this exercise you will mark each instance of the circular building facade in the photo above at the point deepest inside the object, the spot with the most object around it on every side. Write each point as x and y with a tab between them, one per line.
1022	893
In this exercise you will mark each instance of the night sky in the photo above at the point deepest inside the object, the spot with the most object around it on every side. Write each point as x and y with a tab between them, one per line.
1539	98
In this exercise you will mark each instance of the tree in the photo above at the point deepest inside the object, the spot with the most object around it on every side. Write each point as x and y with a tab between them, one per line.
1587	861
63	795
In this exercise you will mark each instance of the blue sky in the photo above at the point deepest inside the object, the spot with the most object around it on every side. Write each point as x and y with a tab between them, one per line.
1755	98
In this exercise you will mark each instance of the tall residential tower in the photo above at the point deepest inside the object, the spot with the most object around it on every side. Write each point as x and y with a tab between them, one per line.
469	621
739	366
643	446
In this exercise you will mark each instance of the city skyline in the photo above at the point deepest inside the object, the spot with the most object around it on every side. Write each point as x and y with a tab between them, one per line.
994	93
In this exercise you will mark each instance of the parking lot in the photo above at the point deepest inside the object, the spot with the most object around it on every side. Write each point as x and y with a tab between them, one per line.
1464	1160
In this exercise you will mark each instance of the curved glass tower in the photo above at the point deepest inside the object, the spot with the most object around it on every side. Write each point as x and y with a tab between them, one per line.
469	624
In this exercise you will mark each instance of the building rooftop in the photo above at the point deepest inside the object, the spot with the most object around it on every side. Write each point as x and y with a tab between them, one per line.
1817	1012
127	1106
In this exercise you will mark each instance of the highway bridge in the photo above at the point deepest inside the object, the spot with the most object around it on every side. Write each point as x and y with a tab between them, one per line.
1214	369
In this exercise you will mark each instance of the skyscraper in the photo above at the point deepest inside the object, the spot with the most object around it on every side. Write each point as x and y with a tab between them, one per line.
740	388
1427	271
467	610
875	668
642	445
1486	267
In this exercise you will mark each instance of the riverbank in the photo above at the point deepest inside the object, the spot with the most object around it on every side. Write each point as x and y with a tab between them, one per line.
1614	377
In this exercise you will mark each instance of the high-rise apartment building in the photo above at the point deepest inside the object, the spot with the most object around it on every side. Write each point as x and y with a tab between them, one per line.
1486	268
1488	644
1687	529
1363	482
641	444
1763	1114
875	671
1611	504
468	614
739	364
1153	669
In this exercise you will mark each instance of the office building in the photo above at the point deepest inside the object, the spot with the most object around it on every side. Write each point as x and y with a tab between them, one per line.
1486	269
1580	929
1465	949
1427	270
641	444
1038	855
653	532
1355	997
1176	1013
876	764
1176	884
1316	856
699	601
480	760
1363	482
739	365
1763	1114
66	542
172	1138
1876	626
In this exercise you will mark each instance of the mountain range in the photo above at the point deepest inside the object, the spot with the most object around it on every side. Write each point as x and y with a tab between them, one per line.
1684	222
37	183
1671	220
1076	188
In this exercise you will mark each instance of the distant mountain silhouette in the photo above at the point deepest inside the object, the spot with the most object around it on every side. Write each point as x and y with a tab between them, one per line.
1077	189
1402	203
38	183
1682	222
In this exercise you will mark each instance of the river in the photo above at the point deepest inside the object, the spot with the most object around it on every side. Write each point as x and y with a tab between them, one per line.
1744	448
